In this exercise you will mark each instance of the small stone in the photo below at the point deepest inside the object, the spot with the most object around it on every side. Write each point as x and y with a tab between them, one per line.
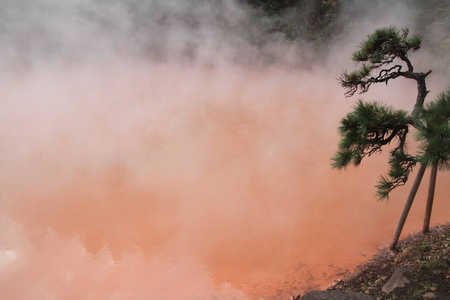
397	280
353	276
408	253
378	281
334	285
429	295
398	260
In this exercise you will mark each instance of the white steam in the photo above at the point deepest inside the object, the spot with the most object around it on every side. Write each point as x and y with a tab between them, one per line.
170	149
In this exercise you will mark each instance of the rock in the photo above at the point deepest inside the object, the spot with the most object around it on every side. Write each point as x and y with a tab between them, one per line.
336	295
334	286
409	253
397	280
429	295
353	275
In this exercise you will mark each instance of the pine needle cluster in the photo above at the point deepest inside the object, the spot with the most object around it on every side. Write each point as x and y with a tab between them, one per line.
385	44
379	51
401	165
434	135
365	131
372	125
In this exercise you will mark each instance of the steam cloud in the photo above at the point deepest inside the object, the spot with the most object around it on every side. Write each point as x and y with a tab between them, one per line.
167	150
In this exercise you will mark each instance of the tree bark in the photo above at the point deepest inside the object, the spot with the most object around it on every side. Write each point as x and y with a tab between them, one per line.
430	198
409	201
422	92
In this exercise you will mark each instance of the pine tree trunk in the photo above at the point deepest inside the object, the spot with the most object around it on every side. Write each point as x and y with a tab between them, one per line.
409	201
430	198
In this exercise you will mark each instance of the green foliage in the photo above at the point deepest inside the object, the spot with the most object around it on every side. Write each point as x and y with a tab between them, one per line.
365	130
426	246
401	165
368	128
379	51
311	22
354	77
385	44
435	132
320	23
273	7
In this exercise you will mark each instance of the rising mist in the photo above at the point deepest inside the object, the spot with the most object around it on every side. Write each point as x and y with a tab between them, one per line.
165	150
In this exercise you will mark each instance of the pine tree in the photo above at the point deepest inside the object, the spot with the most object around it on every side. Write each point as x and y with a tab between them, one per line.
383	56
386	52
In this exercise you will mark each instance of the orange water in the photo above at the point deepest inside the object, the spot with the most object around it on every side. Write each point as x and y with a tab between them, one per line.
169	181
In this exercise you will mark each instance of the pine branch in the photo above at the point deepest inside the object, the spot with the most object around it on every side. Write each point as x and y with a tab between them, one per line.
380	50
434	134
401	165
367	130
359	80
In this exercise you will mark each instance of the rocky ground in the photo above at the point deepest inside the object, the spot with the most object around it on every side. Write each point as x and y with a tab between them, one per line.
419	270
